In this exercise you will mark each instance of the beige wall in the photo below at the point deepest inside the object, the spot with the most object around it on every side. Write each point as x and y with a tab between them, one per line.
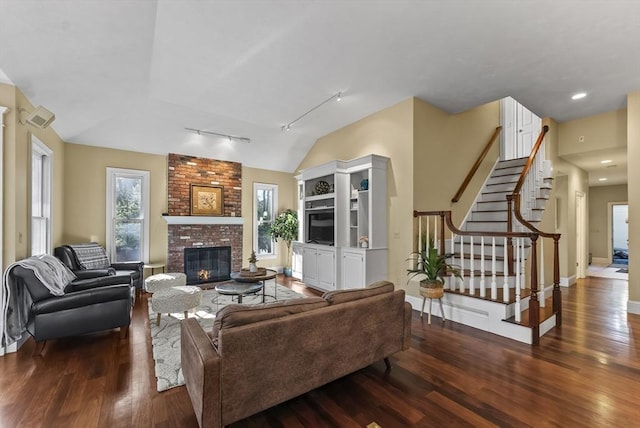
286	199
569	180
445	148
633	154
601	131
16	176
599	214
389	133
85	178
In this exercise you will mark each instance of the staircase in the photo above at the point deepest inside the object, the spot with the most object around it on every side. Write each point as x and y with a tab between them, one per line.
498	250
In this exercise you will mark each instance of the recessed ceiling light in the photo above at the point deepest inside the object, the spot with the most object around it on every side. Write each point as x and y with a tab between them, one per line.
602	179
578	96
606	161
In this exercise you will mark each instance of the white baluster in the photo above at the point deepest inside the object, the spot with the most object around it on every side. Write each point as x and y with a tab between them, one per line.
472	288
482	279
518	279
505	285
452	279
420	233
462	286
494	285
541	298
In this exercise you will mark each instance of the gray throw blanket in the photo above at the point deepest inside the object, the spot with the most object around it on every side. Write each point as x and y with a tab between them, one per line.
50	271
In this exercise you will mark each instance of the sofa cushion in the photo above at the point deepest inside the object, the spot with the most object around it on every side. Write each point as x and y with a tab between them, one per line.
237	315
340	296
91	256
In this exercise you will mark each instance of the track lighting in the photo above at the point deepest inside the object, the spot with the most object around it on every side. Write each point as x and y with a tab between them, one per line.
219	134
337	96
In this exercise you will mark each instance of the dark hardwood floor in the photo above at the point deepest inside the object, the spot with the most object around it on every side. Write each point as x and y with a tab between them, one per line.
586	373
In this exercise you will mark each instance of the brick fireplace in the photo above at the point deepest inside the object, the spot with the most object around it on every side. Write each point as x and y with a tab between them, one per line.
186	231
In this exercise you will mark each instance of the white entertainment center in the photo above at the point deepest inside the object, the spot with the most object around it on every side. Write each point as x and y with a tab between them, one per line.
341	205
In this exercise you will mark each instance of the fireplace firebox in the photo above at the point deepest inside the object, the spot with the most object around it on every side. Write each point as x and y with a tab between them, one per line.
207	264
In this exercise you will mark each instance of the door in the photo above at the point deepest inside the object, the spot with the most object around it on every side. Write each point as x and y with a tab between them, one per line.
353	272
520	129
309	266
327	269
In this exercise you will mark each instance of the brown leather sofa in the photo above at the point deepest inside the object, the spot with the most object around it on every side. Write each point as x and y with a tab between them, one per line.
258	356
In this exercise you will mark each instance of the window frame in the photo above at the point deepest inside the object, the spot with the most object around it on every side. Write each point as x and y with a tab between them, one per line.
256	221
45	179
112	175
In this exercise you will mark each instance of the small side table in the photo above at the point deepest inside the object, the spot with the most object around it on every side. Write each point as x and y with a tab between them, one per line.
154	266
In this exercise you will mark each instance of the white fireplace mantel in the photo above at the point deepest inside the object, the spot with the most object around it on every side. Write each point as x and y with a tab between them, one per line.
190	219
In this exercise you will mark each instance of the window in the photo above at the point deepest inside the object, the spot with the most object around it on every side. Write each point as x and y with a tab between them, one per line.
265	201
41	160
127	215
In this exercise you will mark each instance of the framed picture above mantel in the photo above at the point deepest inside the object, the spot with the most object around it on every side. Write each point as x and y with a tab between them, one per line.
207	200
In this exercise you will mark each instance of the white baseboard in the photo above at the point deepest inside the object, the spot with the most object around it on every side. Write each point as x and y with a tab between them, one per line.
567	281
600	261
14	346
633	307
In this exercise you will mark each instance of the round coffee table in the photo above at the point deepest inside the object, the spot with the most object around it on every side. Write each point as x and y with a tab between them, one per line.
249	279
239	289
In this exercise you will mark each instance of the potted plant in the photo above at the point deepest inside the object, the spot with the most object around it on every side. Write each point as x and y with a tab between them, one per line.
252	262
434	267
285	227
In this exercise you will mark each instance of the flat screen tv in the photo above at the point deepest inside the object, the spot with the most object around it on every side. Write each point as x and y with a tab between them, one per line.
320	228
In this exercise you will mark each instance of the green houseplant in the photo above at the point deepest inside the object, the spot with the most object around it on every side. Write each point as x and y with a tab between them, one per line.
285	227
434	267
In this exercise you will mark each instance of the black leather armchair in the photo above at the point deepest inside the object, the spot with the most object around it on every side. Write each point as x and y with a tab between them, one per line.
132	269
88	305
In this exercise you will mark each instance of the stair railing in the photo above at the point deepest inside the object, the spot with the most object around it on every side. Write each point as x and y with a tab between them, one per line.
527	186
434	228
476	165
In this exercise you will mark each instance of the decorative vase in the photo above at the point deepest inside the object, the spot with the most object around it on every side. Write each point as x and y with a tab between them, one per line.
253	268
287	271
364	184
364	244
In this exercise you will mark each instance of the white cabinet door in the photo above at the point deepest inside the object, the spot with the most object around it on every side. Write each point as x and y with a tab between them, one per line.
326	269
296	260
353	269
310	266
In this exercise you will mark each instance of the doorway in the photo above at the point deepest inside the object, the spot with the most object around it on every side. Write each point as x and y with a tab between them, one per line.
619	233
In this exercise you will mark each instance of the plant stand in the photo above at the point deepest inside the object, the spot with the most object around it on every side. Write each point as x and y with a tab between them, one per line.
431	293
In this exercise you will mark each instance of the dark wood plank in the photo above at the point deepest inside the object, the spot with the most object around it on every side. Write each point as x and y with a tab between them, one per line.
585	373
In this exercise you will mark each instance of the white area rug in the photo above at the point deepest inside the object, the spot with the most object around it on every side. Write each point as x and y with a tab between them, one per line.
165	338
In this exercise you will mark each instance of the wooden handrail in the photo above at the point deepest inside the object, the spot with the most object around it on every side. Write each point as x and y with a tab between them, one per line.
532	156
475	166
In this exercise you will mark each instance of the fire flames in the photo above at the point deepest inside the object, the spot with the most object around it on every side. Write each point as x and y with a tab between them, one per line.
203	275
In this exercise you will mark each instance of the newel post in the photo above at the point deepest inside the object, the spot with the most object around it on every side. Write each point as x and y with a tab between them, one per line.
534	304
510	229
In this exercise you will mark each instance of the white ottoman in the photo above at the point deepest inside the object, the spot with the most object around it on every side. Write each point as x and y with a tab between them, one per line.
175	299
160	281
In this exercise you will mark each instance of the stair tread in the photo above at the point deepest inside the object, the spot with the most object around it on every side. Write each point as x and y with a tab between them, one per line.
545	313
512	298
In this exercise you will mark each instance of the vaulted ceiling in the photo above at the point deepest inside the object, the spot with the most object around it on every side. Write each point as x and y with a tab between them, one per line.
133	74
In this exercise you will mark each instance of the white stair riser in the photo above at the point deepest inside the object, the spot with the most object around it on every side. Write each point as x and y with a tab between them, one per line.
489	216
480	226
508	187
491	206
503	179
493	197
514	170
511	163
